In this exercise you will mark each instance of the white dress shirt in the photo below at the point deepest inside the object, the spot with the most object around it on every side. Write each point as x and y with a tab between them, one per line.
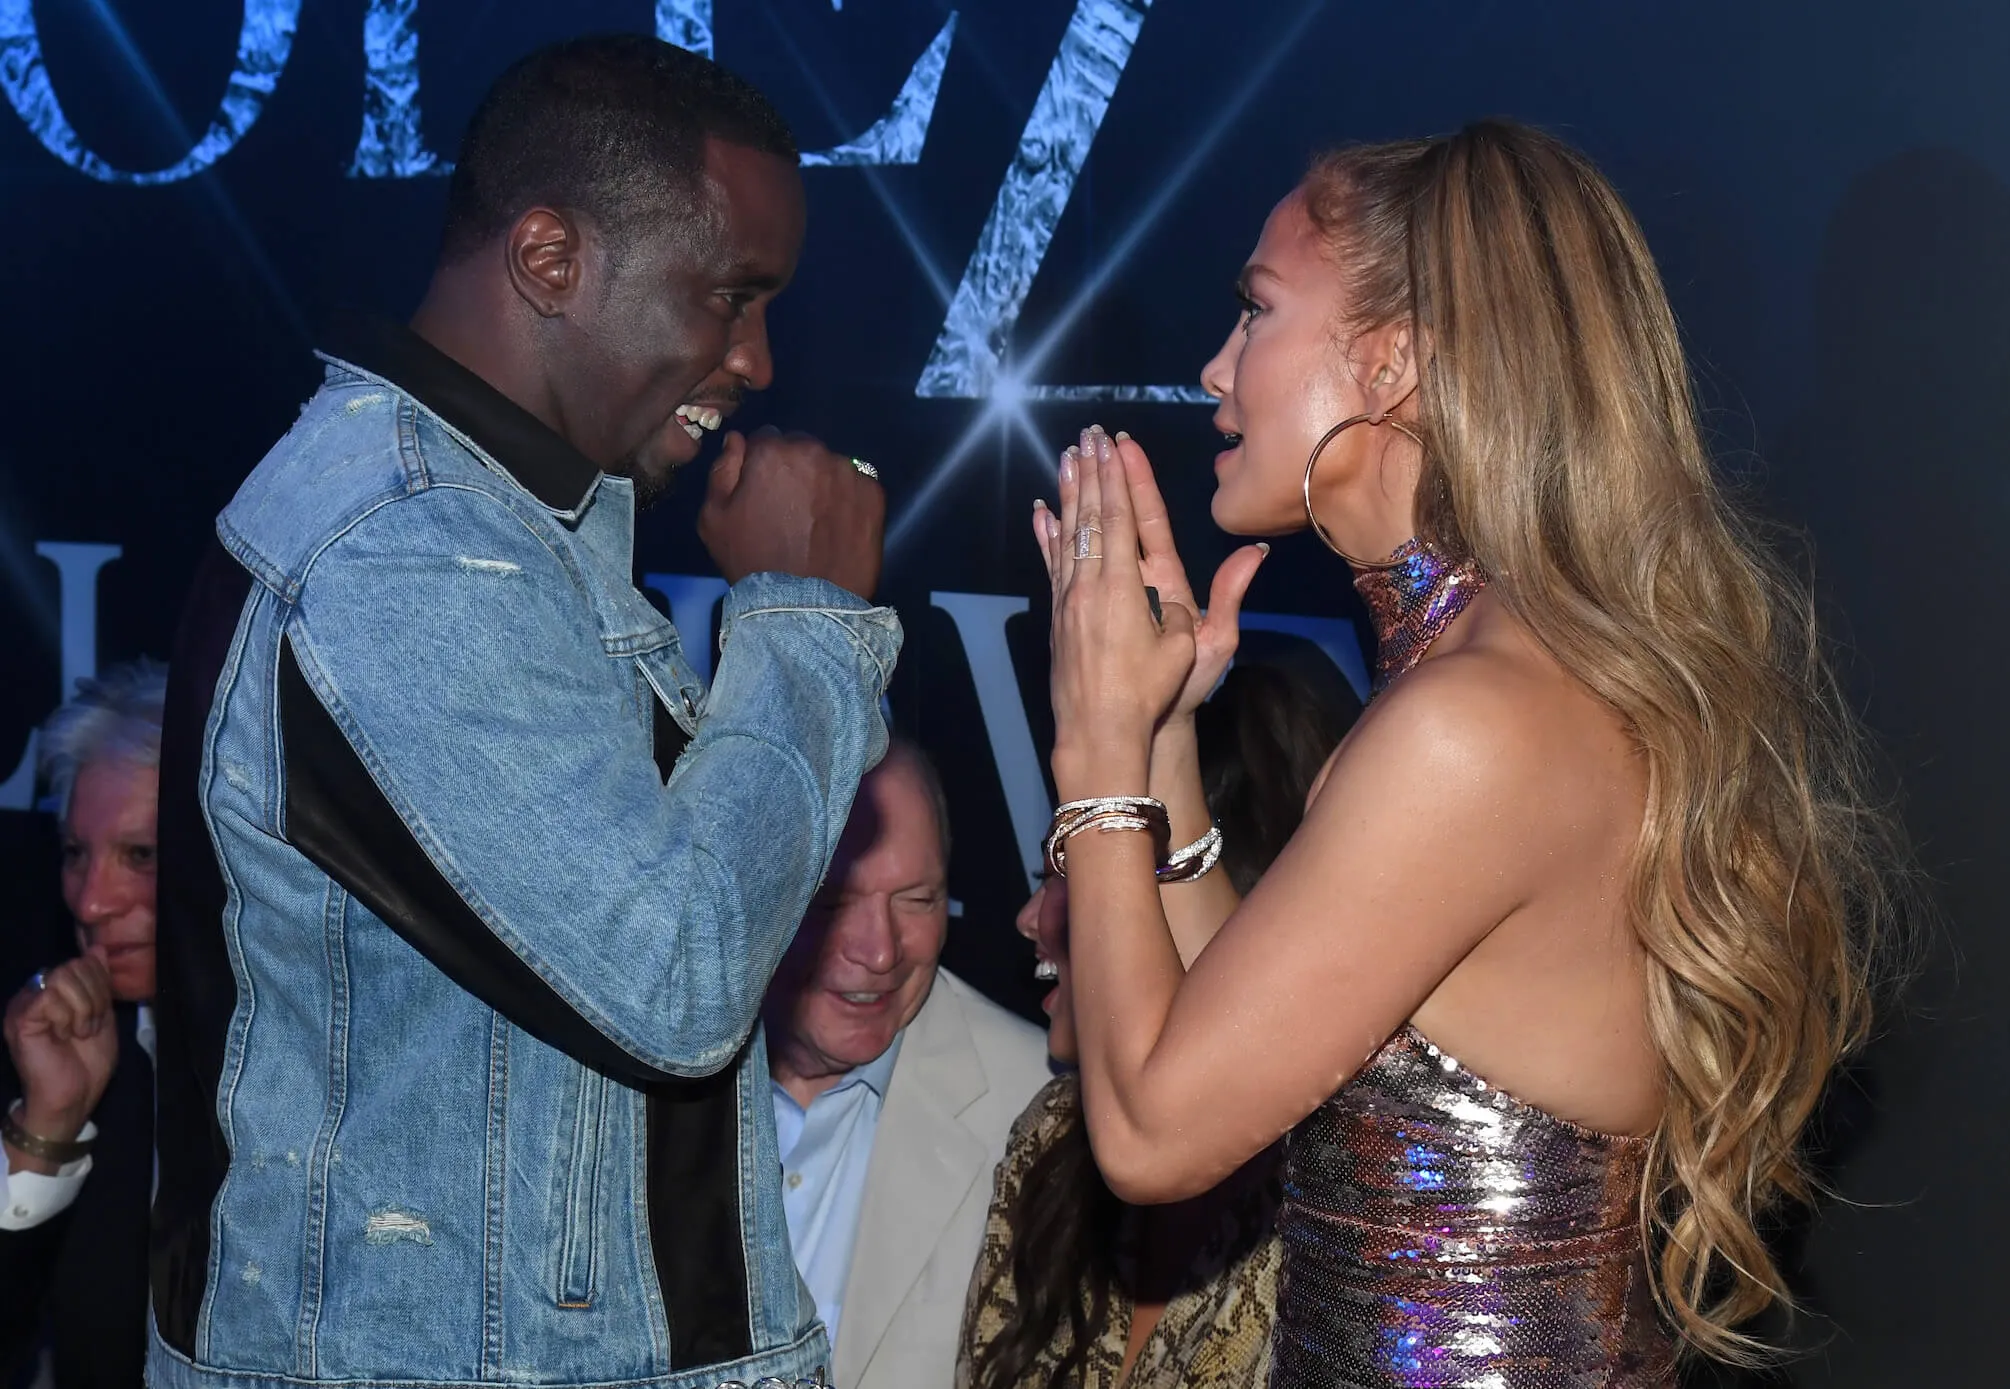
28	1199
825	1152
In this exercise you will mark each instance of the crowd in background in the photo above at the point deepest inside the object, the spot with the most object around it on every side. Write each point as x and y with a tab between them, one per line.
943	1204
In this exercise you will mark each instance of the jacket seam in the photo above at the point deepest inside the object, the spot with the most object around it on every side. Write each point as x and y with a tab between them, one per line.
238	1034
459	436
456	878
838	616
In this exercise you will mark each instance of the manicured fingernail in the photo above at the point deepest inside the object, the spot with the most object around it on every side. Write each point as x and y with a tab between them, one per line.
1053	526
1123	436
1068	467
1263	546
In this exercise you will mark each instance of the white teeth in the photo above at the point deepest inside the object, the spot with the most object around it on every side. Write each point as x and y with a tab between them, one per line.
699	418
861	998
1046	969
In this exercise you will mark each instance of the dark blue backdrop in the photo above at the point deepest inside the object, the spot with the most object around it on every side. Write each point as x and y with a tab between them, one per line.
1824	185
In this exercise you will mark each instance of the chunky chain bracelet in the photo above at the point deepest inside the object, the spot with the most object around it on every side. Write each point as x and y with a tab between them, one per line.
1196	860
1105	813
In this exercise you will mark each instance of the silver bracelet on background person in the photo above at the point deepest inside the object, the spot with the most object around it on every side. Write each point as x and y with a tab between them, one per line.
1105	813
1196	860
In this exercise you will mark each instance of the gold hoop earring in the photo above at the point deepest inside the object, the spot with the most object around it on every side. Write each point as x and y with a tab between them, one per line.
1335	432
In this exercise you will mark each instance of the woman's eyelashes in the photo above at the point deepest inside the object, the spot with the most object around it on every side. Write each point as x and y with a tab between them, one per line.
1250	308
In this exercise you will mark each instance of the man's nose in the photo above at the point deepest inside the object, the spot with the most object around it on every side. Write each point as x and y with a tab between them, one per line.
750	358
869	939
106	893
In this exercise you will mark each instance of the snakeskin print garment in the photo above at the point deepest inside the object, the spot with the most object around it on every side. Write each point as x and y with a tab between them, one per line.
1215	1333
1440	1233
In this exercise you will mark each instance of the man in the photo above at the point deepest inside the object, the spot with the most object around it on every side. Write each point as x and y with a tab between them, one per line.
895	1087
471	1005
76	1142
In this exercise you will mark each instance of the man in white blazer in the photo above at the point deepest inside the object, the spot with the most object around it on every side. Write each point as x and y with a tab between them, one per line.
895	1087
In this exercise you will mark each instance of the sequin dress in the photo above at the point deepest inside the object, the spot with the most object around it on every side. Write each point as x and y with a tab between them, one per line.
1437	1232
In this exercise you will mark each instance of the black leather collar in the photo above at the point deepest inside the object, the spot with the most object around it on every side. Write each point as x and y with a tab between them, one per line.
543	464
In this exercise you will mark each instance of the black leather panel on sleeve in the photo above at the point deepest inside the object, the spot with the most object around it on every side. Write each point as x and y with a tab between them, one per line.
342	822
338	817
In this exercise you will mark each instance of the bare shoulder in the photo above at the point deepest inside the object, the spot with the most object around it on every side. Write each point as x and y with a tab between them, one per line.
1491	727
1472	711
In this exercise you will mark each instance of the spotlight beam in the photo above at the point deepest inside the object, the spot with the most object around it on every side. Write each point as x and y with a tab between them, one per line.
1146	221
1011	394
225	209
938	282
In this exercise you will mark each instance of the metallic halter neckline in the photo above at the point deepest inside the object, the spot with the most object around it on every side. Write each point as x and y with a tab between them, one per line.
1412	597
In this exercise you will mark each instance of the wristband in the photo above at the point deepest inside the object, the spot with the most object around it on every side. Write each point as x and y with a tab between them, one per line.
46	1149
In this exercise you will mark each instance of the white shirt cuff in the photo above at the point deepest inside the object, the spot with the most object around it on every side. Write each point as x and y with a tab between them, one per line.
28	1199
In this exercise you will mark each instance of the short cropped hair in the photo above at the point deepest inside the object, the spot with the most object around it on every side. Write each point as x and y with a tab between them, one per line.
115	717
931	784
611	126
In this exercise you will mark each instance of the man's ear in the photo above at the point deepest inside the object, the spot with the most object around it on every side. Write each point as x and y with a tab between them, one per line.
1387	359
546	254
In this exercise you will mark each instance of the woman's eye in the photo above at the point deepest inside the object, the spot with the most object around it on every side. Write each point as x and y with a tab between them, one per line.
1250	310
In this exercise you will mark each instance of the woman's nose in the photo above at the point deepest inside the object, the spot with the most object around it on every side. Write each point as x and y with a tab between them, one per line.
1028	920
1219	374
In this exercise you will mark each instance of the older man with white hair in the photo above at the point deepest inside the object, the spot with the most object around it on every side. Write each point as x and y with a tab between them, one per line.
76	1138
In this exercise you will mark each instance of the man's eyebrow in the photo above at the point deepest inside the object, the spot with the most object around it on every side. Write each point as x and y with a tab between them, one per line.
751	277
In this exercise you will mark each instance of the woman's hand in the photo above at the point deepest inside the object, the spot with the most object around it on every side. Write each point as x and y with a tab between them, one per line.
1217	632
1116	673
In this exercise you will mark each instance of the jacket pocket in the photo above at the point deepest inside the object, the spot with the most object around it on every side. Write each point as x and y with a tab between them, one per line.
577	1190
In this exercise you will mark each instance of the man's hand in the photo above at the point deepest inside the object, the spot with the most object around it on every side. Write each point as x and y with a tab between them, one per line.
786	503
65	1049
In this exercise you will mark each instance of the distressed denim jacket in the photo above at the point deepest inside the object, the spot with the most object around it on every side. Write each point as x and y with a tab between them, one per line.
488	1104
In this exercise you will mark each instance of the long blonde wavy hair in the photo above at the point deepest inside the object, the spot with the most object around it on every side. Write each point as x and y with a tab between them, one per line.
1563	451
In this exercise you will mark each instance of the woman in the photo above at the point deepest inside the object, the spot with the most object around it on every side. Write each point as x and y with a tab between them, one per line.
1074	1287
1600	836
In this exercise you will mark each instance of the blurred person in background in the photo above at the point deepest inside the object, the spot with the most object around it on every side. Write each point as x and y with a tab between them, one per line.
895	1087
1076	1287
76	1165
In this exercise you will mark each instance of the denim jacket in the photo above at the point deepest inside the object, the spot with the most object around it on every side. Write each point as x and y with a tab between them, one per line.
488	1104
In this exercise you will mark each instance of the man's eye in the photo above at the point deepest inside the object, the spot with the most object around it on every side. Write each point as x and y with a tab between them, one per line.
141	855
